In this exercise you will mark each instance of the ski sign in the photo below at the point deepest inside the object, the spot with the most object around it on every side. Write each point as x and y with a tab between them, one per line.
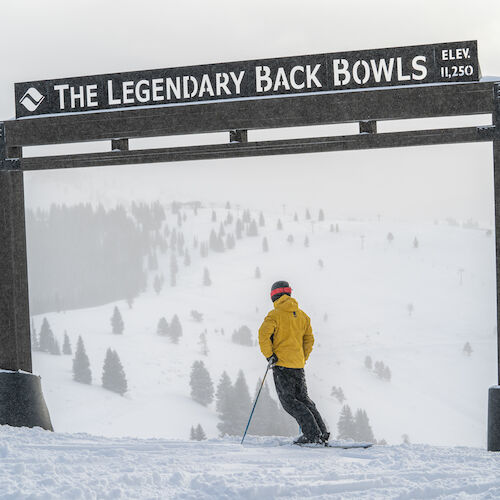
341	71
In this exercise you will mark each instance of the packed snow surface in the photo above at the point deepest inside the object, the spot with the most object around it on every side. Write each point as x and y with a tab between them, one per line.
36	464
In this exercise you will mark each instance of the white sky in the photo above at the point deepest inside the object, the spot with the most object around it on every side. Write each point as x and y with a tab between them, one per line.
55	38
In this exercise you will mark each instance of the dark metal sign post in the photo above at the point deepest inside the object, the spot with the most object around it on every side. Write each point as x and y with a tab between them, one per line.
440	80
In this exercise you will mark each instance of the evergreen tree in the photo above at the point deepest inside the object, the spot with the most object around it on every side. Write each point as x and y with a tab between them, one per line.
214	216
415	243
345	424
243	336
296	217
157	284
46	338
200	433
192	434
197	316
175	329
262	222
174	268
187	259
67	345
54	347
337	228
368	362
222	232
306	242
117	322
279	225
257	273
410	309
363	430
467	350
206	278
252	229
290	239
390	237
308	215
81	365
387	374
241	403
223	396
113	375
202	389
203	344
265	245
239	229
321	215
162	328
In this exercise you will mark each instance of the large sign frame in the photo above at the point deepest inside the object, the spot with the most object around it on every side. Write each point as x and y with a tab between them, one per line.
308	74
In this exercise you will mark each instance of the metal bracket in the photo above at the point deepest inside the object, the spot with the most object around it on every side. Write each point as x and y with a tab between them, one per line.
486	132
238	136
368	127
119	145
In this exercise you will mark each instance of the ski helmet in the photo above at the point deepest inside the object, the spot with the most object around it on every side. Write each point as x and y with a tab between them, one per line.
280	288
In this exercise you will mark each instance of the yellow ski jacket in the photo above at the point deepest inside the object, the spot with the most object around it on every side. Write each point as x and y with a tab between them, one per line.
287	332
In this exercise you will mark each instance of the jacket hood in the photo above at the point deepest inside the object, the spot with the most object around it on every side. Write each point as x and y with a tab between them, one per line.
286	303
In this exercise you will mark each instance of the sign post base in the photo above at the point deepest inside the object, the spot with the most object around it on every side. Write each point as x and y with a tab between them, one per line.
21	401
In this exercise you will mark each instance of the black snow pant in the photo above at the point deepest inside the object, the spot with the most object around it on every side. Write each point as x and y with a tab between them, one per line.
292	391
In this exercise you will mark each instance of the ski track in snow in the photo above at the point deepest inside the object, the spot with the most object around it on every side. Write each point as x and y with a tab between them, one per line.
36	464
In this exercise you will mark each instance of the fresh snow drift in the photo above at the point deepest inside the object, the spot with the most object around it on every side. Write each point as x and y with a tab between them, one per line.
35	464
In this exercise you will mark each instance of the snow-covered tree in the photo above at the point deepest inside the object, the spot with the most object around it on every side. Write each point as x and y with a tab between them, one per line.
67	345
257	273
279	225
321	215
175	329
415	243
197	316
200	433
345	425
390	237
252	229
202	389
368	362
262	221
467	350
117	324
206	278
265	245
363	430
162	328
46	339
203	344
113	375
81	364
243	336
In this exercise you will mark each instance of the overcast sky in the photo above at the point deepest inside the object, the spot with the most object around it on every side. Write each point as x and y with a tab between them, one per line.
52	39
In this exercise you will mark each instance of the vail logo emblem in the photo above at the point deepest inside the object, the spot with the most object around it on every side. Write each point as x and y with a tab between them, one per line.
32	99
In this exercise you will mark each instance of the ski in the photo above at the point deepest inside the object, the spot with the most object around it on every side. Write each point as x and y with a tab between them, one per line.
343	446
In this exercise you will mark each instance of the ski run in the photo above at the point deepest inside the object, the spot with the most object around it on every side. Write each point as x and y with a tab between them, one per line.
36	464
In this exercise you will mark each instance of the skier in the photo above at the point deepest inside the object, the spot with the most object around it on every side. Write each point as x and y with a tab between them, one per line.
286	340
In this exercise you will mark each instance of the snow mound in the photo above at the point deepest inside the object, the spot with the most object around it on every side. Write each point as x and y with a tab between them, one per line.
38	464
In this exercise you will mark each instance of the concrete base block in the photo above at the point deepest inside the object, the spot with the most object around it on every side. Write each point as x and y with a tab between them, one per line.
21	401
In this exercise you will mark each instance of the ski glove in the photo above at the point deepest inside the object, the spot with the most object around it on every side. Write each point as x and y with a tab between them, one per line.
272	360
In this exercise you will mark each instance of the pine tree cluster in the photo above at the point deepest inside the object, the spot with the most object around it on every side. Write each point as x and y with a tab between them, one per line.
338	393
356	428
233	405
173	330
382	371
197	433
242	336
46	340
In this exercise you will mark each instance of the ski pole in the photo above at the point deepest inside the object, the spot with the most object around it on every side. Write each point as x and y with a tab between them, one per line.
256	399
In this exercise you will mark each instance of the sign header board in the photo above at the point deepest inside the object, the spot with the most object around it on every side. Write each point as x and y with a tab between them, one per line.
341	71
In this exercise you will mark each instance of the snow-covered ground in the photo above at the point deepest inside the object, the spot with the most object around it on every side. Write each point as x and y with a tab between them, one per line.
437	395
36	464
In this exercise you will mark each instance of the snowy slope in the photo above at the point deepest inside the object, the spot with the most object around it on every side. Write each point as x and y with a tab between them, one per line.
40	464
437	395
